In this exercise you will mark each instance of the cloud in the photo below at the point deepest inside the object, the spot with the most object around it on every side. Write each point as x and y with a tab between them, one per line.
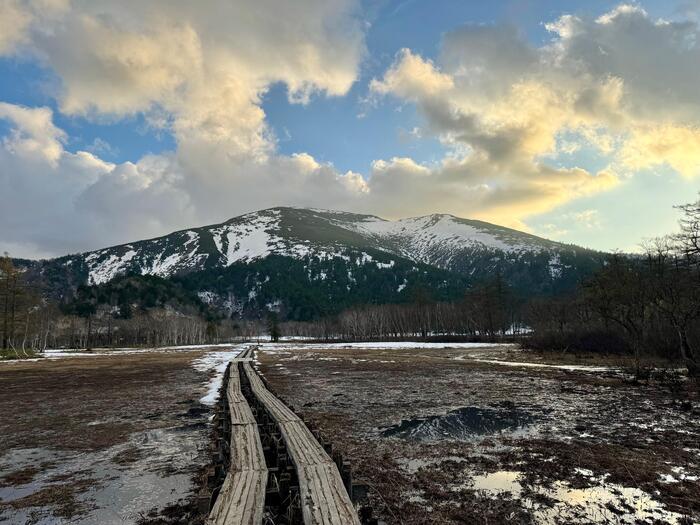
33	133
412	78
13	23
56	201
513	117
199	74
205	70
656	144
19	17
622	84
589	219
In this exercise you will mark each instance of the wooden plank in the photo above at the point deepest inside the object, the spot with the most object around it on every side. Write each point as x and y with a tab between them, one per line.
300	439
242	496
241	499
324	497
246	450
278	410
324	500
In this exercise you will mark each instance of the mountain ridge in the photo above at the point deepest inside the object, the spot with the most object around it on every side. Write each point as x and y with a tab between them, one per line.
439	251
410	237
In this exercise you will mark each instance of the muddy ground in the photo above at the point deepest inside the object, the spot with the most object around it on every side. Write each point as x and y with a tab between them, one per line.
465	435
113	438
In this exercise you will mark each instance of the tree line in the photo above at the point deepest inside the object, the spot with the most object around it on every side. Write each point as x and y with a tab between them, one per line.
643	304
128	311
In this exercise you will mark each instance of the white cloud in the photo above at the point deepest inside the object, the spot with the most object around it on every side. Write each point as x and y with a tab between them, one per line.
622	84
510	114
33	134
589	219
13	23
66	202
205	69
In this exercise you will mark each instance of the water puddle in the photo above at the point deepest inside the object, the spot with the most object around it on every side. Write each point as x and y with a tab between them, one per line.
498	482
600	503
465	423
118	485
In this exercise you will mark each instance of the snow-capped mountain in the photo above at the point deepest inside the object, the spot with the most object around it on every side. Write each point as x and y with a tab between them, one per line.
444	241
277	256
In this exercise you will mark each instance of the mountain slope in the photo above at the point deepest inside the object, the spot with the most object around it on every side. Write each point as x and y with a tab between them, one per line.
443	241
337	246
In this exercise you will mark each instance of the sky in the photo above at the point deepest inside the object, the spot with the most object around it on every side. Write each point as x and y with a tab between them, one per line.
575	120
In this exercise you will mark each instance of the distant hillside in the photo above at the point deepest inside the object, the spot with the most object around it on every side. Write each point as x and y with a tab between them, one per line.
306	261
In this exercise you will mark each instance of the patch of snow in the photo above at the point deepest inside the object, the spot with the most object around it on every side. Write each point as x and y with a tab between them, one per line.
215	362
105	271
274	306
420	237
277	347
206	297
163	267
570	368
555	266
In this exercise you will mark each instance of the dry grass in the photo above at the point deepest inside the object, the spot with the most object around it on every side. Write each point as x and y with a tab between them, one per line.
92	403
600	422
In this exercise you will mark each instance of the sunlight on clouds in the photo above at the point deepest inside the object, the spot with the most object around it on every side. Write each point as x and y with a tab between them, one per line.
677	146
512	104
205	68
413	78
34	133
518	122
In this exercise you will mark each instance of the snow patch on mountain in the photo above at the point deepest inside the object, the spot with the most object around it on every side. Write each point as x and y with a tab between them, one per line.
106	270
439	240
420	236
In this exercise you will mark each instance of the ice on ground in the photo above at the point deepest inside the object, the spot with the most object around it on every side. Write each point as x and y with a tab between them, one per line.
160	475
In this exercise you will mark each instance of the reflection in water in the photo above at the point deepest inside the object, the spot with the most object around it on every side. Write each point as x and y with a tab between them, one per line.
601	503
118	493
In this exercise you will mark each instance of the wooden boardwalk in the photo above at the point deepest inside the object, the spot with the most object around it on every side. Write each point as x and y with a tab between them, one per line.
242	496
324	500
241	500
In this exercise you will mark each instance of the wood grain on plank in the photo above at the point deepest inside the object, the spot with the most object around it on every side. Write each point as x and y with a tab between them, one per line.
242	496
324	500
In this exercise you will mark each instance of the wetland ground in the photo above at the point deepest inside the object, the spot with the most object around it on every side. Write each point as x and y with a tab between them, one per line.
493	434
441	433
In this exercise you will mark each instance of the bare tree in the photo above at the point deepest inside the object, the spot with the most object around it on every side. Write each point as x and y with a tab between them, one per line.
675	282
620	294
689	237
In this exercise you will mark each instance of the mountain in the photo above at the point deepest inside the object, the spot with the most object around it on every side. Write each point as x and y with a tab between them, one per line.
338	257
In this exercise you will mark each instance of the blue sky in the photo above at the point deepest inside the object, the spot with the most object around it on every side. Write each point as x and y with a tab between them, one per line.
356	117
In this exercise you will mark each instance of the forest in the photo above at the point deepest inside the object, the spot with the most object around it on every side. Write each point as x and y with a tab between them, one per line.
645	304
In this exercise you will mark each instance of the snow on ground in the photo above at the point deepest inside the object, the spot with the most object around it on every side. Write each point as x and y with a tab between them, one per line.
383	345
571	368
110	352
215	362
492	353
106	270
